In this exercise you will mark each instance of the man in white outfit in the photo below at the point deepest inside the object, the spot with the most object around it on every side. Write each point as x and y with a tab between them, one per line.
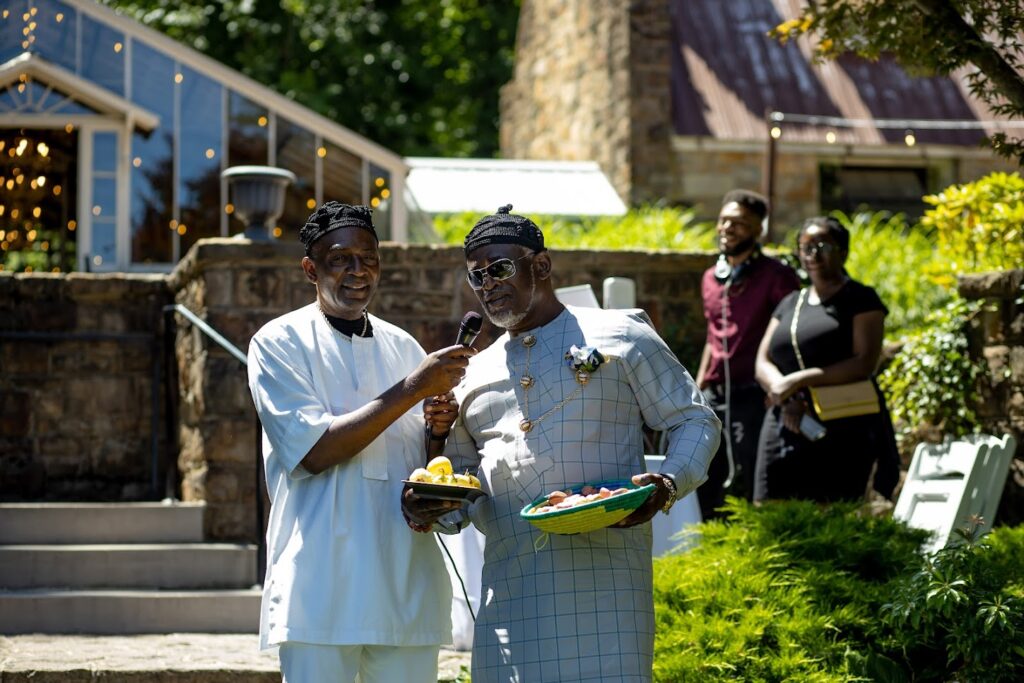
350	588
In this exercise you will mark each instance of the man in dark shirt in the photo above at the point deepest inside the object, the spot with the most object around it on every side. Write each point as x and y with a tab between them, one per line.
740	293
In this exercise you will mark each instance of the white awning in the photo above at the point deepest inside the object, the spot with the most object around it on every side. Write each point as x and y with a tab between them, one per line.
555	188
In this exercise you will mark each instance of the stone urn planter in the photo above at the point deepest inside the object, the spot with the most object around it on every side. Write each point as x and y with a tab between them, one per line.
257	193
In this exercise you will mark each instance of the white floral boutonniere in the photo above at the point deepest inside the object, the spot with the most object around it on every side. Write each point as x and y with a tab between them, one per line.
583	361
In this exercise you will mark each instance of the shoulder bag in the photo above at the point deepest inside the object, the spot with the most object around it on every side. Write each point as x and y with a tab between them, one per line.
838	400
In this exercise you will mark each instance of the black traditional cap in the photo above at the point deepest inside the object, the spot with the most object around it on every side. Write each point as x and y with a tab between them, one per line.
331	216
504	227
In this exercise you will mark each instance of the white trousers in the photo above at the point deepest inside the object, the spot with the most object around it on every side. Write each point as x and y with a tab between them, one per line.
306	663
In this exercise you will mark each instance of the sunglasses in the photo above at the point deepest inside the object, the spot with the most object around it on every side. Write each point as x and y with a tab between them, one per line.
502	269
812	250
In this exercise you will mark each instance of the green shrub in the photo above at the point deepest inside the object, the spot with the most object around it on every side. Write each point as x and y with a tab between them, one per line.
932	382
978	225
796	591
899	262
776	593
956	617
648	227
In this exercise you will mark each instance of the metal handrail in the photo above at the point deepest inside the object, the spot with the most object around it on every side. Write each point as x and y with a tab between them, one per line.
209	331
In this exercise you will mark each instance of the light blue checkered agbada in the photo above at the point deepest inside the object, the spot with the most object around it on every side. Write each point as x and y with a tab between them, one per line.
580	607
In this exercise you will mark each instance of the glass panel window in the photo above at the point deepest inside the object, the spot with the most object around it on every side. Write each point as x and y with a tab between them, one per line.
248	125
102	52
13	40
343	176
55	32
104	152
297	152
199	150
103	202
152	158
38	196
381	200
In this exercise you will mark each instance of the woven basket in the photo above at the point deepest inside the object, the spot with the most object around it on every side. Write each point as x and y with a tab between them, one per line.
591	516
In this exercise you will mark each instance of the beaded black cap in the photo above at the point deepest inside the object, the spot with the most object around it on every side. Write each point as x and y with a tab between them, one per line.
504	227
332	216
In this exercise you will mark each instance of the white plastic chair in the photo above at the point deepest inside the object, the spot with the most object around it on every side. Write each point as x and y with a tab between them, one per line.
950	482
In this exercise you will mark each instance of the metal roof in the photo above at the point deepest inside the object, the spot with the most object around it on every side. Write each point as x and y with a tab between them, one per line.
556	188
727	72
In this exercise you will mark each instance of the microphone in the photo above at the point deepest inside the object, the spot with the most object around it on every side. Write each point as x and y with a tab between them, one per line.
469	328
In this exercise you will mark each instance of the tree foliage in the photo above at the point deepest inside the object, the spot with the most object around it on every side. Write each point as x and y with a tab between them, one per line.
930	37
420	77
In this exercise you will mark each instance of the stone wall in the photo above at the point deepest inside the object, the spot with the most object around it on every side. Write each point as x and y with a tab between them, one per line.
998	341
237	286
569	98
77	356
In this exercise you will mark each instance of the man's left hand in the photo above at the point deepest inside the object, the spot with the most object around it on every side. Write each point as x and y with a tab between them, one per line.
650	507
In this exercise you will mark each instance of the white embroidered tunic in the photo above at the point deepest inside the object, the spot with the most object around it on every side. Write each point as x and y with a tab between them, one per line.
580	607
343	567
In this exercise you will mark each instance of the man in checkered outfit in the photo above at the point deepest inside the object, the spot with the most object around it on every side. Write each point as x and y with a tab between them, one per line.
563	608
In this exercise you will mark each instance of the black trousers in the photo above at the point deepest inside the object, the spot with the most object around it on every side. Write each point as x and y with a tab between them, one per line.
746	416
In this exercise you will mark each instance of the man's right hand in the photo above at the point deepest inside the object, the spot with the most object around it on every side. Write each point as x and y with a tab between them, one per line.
421	513
441	371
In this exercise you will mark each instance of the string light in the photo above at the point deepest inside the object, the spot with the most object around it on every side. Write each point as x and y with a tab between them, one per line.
909	138
137	161
379	182
310	203
229	209
262	121
278	231
776	132
830	137
210	153
178	78
321	152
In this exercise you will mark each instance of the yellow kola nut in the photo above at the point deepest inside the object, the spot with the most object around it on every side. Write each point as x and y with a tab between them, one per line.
440	465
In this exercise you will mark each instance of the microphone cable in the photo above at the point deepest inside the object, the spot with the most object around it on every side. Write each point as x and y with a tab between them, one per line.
462	584
728	386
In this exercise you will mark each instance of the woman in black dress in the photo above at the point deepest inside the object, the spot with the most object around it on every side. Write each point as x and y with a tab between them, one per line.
838	334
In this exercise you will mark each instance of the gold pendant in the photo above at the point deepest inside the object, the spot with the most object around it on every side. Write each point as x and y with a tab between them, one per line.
529	340
526	381
525	425
582	377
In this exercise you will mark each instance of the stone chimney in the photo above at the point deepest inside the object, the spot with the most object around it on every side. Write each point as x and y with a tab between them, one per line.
592	81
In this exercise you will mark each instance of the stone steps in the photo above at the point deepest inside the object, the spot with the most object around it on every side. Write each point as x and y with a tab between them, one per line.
39	610
162	566
60	523
121	568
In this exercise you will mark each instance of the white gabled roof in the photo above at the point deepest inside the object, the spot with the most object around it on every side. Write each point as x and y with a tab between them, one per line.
555	188
81	89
